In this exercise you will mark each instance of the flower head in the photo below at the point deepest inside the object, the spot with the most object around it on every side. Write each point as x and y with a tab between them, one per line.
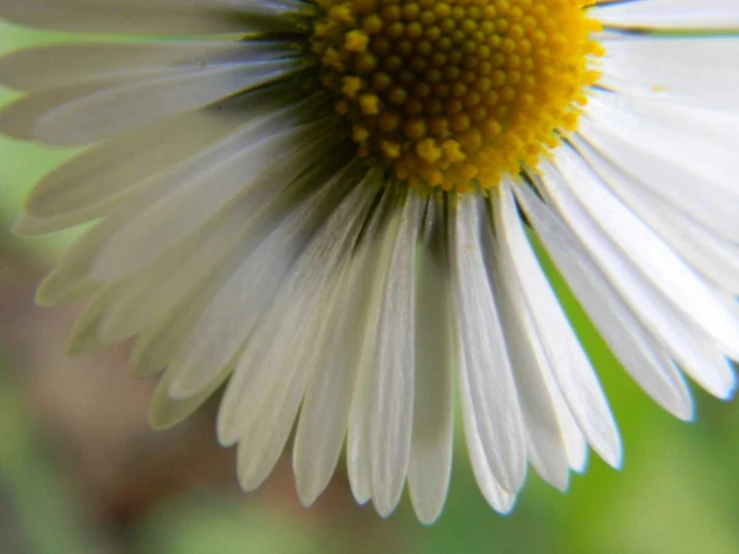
329	206
447	94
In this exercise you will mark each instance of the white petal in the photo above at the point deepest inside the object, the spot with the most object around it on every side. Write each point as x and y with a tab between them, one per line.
233	313
576	447
379	241
528	357
297	308
60	65
617	323
634	347
699	172
571	368
84	336
695	351
70	280
85	113
207	184
286	348
697	71
499	498
700	123
179	287
325	413
165	411
437	349
716	258
667	14
357	439
216	252
391	405
267	426
150	17
493	398
161	339
103	178
649	254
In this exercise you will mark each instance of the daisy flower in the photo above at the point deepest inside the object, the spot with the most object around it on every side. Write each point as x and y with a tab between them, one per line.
330	208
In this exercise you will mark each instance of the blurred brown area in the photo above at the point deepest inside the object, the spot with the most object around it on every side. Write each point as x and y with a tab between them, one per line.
81	472
93	415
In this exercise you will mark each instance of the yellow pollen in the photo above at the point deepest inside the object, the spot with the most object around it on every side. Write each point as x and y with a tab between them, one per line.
369	104
391	150
456	94
428	151
356	41
351	86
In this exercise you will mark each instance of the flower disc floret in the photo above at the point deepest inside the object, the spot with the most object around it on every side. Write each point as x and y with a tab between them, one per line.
447	94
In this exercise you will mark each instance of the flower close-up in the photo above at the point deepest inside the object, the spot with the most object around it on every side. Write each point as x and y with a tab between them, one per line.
338	212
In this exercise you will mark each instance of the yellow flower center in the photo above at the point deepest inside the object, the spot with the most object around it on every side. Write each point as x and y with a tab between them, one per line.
456	93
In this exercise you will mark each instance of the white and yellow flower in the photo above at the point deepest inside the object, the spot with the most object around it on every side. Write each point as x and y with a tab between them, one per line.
329	205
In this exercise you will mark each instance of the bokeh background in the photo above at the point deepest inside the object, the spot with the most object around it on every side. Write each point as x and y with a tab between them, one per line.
82	473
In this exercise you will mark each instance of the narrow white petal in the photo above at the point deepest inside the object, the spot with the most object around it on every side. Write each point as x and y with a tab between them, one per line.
285	350
641	355
699	172
499	498
391	405
209	183
103	178
325	413
716	258
695	351
493	396
357	439
545	447
656	261
60	65
691	70
164	299
165	411
161	339
84	337
79	114
528	357
70	280
574	374
676	14
576	446
150	17
217	251
234	311
379	241
700	123
297	309
274	408
437	350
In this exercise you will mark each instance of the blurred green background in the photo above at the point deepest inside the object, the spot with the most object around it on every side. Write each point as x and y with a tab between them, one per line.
81	472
